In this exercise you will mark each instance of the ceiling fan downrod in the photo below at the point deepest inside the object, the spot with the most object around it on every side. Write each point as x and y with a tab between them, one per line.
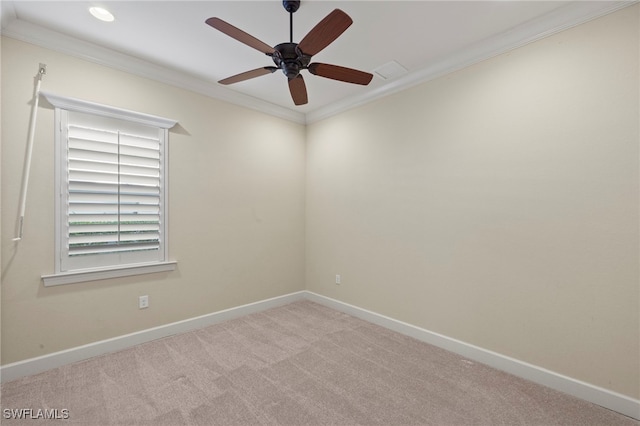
288	57
291	6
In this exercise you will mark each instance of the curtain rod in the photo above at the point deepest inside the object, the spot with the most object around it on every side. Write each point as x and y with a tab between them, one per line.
42	70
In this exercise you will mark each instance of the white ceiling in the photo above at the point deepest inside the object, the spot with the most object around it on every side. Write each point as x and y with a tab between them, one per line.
169	41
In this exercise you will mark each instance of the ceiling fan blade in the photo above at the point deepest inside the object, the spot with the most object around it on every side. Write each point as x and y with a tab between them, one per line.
335	72
325	32
247	75
239	35
298	90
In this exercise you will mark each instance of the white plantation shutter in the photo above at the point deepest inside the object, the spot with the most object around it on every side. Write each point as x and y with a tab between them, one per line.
112	192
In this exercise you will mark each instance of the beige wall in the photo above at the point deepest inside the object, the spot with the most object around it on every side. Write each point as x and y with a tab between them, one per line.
236	209
497	205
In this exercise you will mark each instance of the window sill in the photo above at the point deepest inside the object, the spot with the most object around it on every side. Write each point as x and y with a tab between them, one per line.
107	273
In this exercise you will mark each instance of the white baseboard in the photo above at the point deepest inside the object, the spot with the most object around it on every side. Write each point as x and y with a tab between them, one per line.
597	395
57	359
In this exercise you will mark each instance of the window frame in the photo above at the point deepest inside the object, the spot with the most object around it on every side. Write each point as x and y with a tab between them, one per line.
62	104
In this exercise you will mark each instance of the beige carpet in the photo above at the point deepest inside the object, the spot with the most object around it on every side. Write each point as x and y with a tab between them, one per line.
301	364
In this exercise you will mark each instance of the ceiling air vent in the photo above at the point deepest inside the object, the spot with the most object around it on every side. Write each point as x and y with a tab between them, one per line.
390	70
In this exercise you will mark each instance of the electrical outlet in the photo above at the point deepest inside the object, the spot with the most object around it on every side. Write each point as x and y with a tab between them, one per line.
143	302
338	280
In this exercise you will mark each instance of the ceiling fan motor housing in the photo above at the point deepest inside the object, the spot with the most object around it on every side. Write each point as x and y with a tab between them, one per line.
290	59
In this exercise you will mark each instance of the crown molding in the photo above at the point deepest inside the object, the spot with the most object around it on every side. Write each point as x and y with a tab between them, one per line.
31	33
571	15
574	13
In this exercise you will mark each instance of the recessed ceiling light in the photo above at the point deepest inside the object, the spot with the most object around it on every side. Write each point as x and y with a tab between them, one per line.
101	14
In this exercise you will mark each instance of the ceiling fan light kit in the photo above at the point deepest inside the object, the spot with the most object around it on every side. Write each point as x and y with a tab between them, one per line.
292	57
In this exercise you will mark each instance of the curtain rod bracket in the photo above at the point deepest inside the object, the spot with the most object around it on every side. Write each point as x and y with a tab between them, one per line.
42	70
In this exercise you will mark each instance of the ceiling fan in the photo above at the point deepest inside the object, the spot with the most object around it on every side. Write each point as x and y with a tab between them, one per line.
292	57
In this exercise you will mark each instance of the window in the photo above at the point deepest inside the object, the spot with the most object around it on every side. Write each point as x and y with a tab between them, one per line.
111	181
